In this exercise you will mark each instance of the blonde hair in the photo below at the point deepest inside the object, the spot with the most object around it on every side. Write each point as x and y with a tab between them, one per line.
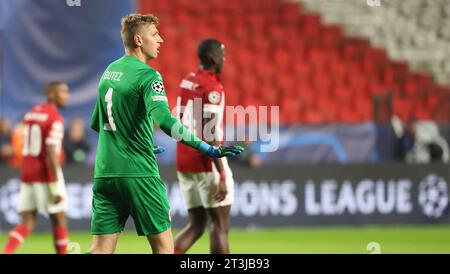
132	23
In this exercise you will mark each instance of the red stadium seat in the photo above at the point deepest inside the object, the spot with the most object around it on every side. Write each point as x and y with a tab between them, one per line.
289	13
411	87
432	102
422	114
331	36
403	108
313	116
343	93
349	115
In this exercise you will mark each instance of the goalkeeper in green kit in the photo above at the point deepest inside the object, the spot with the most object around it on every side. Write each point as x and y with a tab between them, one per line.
131	97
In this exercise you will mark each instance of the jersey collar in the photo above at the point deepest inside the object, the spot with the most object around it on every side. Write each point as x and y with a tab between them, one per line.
210	74
50	106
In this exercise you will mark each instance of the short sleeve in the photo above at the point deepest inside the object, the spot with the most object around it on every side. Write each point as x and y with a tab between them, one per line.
153	90
55	134
213	99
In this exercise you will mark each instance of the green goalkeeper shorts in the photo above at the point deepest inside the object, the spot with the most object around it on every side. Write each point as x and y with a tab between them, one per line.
115	199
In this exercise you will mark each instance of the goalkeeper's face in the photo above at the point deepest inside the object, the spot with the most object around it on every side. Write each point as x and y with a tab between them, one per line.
150	41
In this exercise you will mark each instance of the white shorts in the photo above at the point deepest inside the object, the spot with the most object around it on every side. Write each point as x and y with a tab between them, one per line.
36	196
198	189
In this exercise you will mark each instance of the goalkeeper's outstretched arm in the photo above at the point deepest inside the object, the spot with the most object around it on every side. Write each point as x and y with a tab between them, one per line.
172	127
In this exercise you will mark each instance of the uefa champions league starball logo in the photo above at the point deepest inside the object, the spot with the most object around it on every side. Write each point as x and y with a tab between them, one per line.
158	87
214	97
433	196
9	197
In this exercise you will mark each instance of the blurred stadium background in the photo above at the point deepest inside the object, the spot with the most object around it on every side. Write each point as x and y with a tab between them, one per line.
364	124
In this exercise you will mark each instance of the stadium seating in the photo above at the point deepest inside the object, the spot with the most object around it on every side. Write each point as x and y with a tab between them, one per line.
407	29
280	53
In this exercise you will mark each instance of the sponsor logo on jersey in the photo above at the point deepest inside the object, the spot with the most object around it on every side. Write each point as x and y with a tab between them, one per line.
36	116
186	84
159	98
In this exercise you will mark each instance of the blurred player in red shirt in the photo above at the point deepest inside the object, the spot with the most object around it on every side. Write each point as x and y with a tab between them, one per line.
43	188
206	184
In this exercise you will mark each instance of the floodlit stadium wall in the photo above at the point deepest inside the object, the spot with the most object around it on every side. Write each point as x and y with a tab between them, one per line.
288	195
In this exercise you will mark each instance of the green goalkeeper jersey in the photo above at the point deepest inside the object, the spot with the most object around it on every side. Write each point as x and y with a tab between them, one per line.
131	97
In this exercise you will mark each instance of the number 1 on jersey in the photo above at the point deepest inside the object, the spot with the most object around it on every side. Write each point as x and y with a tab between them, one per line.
110	126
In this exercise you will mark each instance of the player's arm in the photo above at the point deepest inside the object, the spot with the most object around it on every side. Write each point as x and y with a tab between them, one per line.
172	127
158	107
222	190
53	160
95	118
52	145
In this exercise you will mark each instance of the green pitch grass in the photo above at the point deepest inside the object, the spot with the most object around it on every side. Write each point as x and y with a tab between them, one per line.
391	239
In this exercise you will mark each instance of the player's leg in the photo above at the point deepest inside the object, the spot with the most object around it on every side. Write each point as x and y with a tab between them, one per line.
28	211
104	244
110	211
19	233
57	215
218	212
60	232
219	218
161	243
192	231
29	219
197	221
151	212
